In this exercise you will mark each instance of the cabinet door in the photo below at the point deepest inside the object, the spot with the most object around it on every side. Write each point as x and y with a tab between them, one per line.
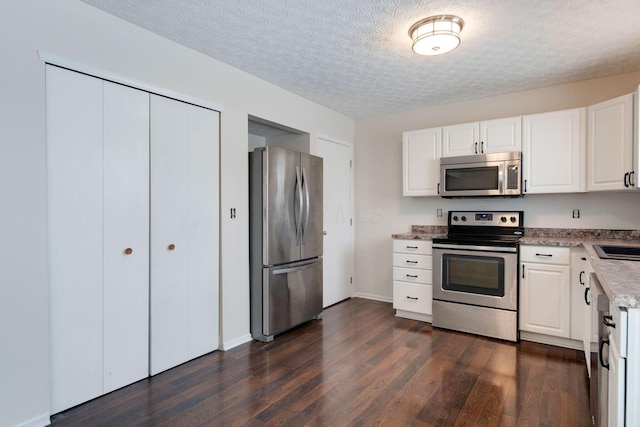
545	299
579	285
501	135
126	236
184	232
460	140
617	382
421	162
75	209
554	148
610	144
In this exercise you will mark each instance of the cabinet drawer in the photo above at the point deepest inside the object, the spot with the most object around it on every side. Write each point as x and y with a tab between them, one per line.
414	275
412	261
545	254
412	297
422	247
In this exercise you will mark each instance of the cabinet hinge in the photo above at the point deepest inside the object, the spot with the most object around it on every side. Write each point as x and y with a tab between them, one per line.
350	163
351	222
351	280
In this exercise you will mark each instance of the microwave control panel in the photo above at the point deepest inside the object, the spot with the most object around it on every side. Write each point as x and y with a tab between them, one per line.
513	177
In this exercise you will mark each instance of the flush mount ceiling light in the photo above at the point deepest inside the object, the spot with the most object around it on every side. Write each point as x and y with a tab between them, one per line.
436	34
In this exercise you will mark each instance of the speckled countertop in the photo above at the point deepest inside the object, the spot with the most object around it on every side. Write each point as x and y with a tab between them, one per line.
620	280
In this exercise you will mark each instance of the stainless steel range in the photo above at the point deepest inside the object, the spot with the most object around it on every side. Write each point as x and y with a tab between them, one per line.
475	273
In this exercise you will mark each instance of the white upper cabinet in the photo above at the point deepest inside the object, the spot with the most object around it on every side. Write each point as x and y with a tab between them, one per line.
490	136
421	162
610	144
553	152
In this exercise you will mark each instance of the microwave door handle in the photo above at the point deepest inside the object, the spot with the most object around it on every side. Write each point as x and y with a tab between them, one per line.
501	181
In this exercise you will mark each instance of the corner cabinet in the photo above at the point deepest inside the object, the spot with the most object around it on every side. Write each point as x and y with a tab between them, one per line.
412	279
545	290
490	136
133	219
421	162
610	144
553	152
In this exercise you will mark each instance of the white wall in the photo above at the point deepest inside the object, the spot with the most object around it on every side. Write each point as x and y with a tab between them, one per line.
74	30
381	210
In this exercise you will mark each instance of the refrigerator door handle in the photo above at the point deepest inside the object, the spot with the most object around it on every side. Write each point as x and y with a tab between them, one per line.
294	269
306	204
299	218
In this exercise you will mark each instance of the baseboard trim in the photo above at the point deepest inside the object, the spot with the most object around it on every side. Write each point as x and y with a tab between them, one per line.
373	297
551	340
228	345
39	421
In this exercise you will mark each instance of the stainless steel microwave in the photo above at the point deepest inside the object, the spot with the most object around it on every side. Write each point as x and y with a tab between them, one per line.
482	175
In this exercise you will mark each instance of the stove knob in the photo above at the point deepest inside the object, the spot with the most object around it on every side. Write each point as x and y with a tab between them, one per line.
513	219
503	219
464	218
455	217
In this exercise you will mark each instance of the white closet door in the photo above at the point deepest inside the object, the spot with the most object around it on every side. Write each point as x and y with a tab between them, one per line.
203	236
169	224
74	174
126	236
184	232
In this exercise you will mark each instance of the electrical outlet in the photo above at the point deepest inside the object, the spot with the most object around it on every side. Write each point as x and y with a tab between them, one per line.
576	213
233	213
439	213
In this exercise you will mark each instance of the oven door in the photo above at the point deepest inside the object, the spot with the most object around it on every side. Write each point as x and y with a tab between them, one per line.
476	275
472	179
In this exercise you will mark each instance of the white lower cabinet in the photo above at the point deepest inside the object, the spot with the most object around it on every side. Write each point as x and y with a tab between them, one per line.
412	279
100	138
545	290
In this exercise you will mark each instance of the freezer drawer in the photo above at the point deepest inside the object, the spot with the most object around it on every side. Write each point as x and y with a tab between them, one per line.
291	295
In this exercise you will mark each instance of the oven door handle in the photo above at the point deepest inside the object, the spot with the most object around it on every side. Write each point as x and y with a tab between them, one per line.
499	249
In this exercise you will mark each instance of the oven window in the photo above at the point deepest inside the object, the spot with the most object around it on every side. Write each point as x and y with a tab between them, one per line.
473	274
480	178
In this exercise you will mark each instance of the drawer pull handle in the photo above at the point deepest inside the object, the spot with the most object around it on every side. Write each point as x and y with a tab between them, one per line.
586	296
412	262
414	298
412	247
580	278
607	320
548	255
412	275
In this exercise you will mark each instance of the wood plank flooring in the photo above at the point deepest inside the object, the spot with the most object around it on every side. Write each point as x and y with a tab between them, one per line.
358	366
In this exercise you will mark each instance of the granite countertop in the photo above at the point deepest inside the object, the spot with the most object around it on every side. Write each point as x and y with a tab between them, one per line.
620	280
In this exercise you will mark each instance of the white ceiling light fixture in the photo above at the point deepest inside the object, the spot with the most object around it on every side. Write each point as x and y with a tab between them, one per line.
436	34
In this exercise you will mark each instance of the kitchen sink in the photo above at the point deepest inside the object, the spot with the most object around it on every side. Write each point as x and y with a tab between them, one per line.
628	253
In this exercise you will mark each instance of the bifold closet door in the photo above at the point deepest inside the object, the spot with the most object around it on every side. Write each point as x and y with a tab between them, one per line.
184	232
97	171
126	236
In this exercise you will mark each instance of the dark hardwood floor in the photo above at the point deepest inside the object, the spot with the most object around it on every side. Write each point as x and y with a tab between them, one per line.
358	366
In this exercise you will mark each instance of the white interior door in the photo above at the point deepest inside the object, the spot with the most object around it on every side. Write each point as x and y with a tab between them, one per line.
169	189
126	236
338	244
184	232
75	203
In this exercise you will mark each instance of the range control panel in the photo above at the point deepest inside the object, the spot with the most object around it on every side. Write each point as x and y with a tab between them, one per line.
486	218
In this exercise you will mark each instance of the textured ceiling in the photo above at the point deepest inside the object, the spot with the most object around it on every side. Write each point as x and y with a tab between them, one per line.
354	56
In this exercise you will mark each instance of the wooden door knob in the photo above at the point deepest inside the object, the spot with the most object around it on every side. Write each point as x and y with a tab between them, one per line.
171	247
128	251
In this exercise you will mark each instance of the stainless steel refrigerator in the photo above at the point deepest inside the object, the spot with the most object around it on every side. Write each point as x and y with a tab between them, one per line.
285	228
